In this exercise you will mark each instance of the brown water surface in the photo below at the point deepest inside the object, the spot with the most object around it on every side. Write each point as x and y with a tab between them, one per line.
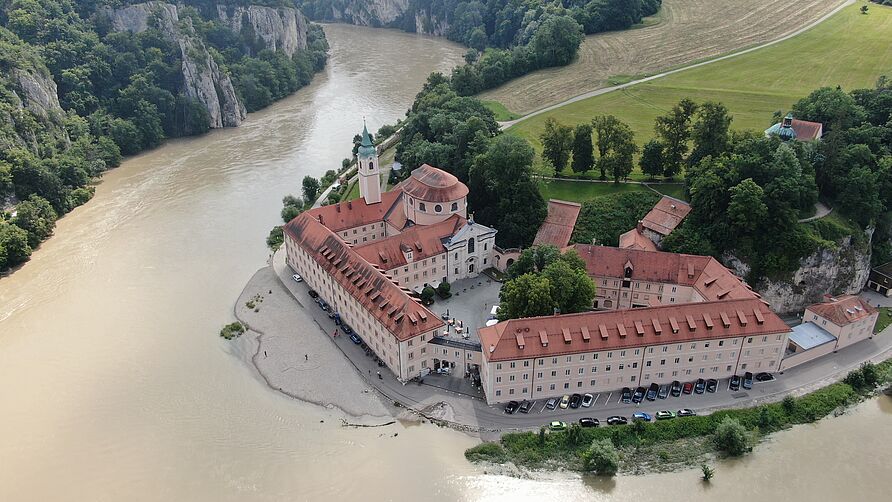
115	386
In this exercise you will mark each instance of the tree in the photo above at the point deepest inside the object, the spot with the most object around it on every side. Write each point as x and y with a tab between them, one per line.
674	129
557	143
556	41
605	127
601	457
37	217
711	131
427	295
708	472
571	288
14	248
471	55
310	186
619	159
651	161
583	156
860	196
747	210
832	107
503	192
276	238
444	290
731	437
526	296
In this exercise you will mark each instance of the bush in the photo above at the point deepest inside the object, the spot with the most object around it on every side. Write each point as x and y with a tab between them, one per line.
276	238
444	290
232	330
427	295
731	437
489	452
604	219
601	458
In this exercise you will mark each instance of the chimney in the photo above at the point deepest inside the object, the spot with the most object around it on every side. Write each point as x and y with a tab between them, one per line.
557	311
338	207
320	219
349	204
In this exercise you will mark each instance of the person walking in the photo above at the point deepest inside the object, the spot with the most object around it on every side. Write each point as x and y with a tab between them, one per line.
379	376
306	357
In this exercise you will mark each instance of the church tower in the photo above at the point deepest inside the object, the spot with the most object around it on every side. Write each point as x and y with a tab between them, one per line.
369	171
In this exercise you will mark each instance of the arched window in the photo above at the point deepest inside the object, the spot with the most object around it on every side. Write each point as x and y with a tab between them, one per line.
421	206
455	206
471	268
471	245
438	208
371	165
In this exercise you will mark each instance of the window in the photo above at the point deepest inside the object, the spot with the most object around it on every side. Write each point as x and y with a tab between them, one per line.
567	372
499	393
499	366
592	383
647	364
622	353
721	343
513	364
438	208
471	245
539	375
662	362
421	206
538	388
706	345
567	385
526	364
510	391
510	378
498	379
455	208
551	387
634	365
554	373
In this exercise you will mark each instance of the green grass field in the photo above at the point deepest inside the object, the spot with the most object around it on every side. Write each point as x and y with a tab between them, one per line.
884	320
581	191
850	50
500	111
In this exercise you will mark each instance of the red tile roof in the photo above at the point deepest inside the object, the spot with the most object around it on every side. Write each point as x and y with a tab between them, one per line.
706	275
355	213
558	225
634	240
401	314
424	241
844	310
429	184
666	215
546	336
807	131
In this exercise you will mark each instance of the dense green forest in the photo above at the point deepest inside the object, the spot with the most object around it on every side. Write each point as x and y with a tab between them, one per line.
76	95
507	38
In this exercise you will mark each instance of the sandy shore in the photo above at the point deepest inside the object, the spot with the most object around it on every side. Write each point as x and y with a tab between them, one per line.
300	361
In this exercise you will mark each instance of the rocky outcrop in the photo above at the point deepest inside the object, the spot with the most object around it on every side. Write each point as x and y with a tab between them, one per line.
366	12
38	93
283	29
430	25
837	271
203	79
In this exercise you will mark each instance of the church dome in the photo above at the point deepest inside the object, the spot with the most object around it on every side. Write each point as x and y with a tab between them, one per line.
429	184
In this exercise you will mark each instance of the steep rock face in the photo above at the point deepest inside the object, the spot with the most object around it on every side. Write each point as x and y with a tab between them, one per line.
368	12
38	93
430	25
202	77
283	29
838	271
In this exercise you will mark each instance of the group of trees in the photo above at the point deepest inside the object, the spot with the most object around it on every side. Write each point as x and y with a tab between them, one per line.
747	191
542	280
460	135
613	138
119	93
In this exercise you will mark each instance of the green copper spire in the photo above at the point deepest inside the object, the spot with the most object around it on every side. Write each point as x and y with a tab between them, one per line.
366	147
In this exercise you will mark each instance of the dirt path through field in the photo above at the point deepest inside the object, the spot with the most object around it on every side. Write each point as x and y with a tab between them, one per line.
690	30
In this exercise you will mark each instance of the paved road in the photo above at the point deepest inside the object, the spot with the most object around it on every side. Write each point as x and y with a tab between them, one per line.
605	90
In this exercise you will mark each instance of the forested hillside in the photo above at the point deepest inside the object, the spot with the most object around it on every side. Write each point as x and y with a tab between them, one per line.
507	38
84	82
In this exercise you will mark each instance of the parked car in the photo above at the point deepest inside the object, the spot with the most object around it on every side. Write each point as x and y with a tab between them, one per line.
652	392
551	403
700	386
313	294
688	388
664	392
297	278
638	395
764	377
617	420
640	415
587	400
575	401
557	425
565	401
712	385
332	315
747	380
511	407
665	415
346	329
676	389
735	383
323	305
356	339
627	395
686	412
589	422
526	406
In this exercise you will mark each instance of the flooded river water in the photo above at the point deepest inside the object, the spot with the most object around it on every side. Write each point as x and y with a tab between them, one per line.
115	386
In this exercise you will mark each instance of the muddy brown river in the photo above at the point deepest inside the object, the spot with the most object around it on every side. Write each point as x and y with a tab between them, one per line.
115	386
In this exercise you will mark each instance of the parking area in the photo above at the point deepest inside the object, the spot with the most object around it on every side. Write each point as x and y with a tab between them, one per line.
643	403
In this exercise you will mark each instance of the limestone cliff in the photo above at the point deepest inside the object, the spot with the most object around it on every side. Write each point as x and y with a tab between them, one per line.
203	79
283	29
364	12
38	93
838	270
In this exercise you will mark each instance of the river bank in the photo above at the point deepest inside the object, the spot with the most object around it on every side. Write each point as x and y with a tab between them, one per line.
681	443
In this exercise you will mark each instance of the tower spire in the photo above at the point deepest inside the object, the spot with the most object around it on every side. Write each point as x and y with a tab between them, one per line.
369	172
